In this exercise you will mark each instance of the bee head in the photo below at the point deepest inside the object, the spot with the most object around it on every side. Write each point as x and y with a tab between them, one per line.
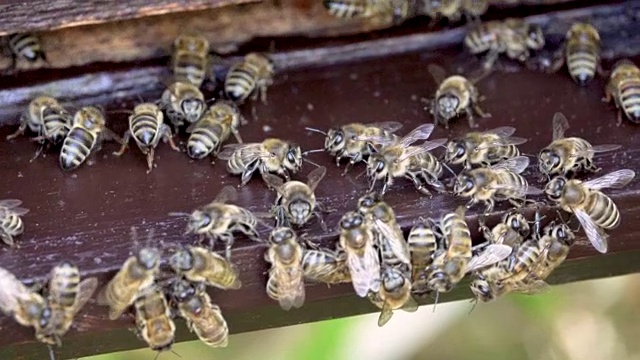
456	152
481	290
563	233
376	166
90	117
465	185
448	106
535	37
368	201
439	280
400	10
281	235
149	257
192	109
293	158
334	142
392	280
300	210
182	290
518	223
351	220
198	221
181	260
583	31
555	188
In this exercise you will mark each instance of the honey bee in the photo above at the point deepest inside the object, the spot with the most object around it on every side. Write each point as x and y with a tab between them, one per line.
415	163
67	296
567	156
202	317
45	117
25	47
27	307
422	243
147	127
349	141
595	211
137	272
394	294
325	266
296	200
556	242
182	101
581	53
499	182
252	76
270	156
11	223
453	9
285	282
484	148
514	37
512	230
394	10
207	134
623	89
200	265
358	241
190	58
153	319
85	137
456	95
219	220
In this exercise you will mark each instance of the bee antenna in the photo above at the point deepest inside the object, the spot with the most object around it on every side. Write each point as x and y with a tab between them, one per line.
449	169
179	213
52	354
529	155
475	302
362	173
316	130
436	301
310	162
174	353
312	151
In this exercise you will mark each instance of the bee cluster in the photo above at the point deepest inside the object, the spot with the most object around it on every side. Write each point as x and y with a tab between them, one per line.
371	251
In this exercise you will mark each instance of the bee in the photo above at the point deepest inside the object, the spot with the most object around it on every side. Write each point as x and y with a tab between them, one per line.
395	293
484	148
182	101
270	156
567	156
325	266
623	87
190	58
202	317
11	223
153	319
581	53
67	296
415	163
422	243
556	243
200	265
219	220
595	211
358	241
27	307
137	272
85	137
296	200
453	9
512	36
285	282
512	230
349	141
147	127
251	76
499	182
395	10
456	95
207	134
45	117
25	47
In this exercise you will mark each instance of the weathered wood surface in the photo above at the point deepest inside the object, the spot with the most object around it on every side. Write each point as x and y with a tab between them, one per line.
85	216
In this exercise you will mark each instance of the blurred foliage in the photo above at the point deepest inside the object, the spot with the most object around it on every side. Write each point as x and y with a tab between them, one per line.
589	320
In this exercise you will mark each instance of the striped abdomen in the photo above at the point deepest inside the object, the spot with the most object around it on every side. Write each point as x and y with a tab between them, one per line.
629	98
422	244
498	153
457	235
12	224
428	163
56	124
514	185
190	66
205	140
76	148
346	9
525	258
206	320
241	81
237	164
602	210
481	39
26	46
582	60
63	288
145	129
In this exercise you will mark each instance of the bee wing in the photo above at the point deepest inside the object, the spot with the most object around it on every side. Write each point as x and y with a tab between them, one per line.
531	288
227	194
605	148
385	314
516	164
396	241
595	234
422	132
503	131
10	203
365	271
249	152
273	181
502	142
520	189
411	305
18	211
560	125
314	177
11	291
491	255
613	180
388	126
437	72
290	288
86	288
421	149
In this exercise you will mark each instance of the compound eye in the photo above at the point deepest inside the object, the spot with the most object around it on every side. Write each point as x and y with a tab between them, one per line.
291	157
380	166
338	139
206	220
468	185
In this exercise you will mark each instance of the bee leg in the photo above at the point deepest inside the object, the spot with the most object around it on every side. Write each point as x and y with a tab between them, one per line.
167	137
38	153
490	59
125	144
479	111
20	131
7	238
489	207
228	243
347	167
150	153
619	122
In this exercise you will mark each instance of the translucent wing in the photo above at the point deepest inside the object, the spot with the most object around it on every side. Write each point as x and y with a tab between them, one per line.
411	305
249	152
314	177
10	203
11	291
395	239
422	132
437	72
365	271
491	255
290	287
227	194
560	124
273	181
594	233
421	149
532	287
519	189
388	126
503	131
605	148
86	288
613	180
385	314
516	164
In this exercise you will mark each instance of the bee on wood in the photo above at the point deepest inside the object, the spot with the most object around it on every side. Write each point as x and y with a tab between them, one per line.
296	200
484	148
394	294
67	295
219	220
182	101
190	58
512	230
393	11
147	127
514	37
348	141
27	307
568	156
85	137
581	53
422	243
325	266
285	282
270	156
202	317
453	10
499	182
213	129
11	223
402	159
595	211
456	95
358	241
252	76
624	89
153	319
25	47
201	265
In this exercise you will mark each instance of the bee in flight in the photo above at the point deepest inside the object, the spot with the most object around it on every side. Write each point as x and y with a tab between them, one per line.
326	266
270	156
190	58
252	76
484	148
201	265
26	47
581	53
568	156
624	89
595	211
11	223
153	319
214	128
182	101
359	243
286	283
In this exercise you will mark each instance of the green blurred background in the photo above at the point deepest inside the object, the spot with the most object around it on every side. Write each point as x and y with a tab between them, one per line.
591	320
